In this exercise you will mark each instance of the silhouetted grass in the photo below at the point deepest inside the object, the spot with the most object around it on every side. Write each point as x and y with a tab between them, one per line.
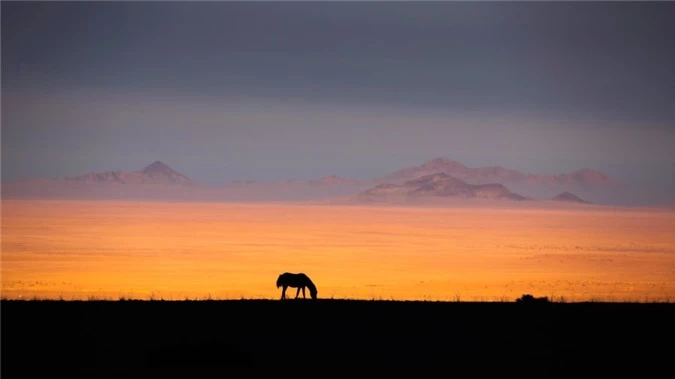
197	338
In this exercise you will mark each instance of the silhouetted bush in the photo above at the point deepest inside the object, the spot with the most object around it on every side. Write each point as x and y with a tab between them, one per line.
527	299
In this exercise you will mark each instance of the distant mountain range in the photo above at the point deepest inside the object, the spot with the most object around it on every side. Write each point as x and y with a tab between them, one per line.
155	173
439	177
437	185
496	174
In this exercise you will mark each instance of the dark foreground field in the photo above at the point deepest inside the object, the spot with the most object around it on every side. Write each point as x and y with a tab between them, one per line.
125	339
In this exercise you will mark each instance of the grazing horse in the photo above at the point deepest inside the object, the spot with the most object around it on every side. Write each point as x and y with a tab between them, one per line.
299	281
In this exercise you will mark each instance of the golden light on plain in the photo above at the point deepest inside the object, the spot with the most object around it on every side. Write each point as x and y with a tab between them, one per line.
113	249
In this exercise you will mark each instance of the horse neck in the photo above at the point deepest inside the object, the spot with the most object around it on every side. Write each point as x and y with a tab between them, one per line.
310	285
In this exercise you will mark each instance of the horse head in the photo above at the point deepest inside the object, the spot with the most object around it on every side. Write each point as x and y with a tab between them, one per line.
279	281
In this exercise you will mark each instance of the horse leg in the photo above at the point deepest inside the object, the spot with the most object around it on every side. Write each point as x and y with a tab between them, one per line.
297	293
283	293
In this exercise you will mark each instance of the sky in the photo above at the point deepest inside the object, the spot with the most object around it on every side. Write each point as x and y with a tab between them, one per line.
225	91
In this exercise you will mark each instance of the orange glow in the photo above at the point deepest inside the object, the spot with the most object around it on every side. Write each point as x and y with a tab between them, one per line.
109	249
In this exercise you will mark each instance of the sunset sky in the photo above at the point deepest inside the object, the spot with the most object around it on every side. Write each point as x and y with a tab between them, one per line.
223	91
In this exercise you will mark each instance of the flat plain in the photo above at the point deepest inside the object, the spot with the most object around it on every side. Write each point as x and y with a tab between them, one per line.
218	338
56	249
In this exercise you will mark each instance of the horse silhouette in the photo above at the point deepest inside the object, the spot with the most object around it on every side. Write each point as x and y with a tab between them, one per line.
299	281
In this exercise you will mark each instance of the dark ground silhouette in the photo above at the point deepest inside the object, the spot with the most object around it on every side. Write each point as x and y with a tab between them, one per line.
210	338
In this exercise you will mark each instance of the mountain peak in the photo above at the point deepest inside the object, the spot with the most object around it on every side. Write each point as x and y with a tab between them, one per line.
443	162
155	167
569	197
159	171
